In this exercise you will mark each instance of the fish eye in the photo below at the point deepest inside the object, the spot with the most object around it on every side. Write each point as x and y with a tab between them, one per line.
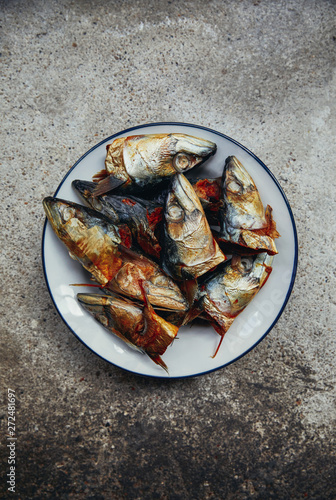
160	280
246	263
175	212
234	187
68	213
181	162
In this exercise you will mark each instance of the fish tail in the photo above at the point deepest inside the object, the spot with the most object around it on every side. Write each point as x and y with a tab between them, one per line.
219	344
192	314
99	176
271	224
221	327
159	361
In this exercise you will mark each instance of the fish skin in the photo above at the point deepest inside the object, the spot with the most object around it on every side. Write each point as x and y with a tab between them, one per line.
140	327
189	249
226	293
59	211
90	237
141	216
96	244
140	162
136	270
243	220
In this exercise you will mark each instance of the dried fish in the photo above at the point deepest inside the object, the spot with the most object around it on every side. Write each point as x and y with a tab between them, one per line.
174	228
226	292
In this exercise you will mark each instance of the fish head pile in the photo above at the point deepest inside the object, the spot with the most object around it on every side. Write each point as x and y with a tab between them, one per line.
189	247
116	233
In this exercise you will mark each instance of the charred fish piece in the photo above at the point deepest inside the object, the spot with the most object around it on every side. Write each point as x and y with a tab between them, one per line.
226	293
140	327
140	162
245	226
95	242
141	216
189	249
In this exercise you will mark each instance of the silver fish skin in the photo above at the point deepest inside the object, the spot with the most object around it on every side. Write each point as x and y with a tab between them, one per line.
189	249
59	212
225	294
243	219
142	161
243	205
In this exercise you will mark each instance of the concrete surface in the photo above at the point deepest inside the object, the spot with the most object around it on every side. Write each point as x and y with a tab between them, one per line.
75	72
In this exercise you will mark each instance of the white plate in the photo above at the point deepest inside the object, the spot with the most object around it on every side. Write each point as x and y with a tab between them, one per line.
190	354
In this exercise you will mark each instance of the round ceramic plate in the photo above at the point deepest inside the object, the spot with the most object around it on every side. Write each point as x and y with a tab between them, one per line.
191	353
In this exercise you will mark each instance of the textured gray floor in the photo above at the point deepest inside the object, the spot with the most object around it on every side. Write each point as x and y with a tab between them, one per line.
261	72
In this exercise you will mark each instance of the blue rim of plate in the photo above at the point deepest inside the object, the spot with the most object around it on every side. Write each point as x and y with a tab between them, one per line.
291	285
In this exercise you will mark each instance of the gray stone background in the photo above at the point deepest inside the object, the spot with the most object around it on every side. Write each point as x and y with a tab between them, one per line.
74	73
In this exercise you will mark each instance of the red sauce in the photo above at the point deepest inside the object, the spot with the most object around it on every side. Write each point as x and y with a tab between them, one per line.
207	190
125	235
154	217
129	202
